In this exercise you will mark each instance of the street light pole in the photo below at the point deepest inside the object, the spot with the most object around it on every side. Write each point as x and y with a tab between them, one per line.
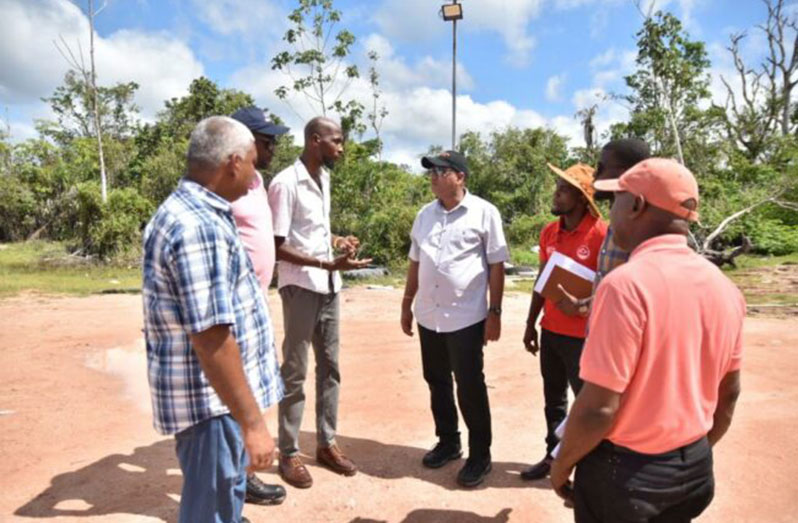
454	81
452	13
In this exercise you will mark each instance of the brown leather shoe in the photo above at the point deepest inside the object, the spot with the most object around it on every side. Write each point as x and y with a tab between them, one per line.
334	459
294	472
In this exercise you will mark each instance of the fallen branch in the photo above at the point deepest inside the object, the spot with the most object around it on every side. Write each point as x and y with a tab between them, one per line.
721	258
729	219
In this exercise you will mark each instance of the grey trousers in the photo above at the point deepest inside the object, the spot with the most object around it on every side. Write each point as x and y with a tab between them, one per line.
309	318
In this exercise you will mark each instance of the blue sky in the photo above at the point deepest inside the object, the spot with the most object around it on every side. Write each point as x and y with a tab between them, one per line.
523	63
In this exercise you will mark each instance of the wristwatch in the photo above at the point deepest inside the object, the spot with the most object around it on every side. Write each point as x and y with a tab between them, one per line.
495	309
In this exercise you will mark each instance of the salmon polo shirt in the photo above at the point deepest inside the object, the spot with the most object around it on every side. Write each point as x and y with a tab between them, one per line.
582	245
666	328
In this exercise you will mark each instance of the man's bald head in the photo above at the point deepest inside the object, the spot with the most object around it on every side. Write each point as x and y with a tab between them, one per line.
321	126
324	142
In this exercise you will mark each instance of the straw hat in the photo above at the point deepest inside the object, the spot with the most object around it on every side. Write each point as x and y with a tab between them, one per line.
580	176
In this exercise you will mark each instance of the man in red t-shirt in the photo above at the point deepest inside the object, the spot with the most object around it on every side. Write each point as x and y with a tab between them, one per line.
578	234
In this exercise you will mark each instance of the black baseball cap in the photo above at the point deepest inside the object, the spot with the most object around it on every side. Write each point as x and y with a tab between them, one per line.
255	119
451	159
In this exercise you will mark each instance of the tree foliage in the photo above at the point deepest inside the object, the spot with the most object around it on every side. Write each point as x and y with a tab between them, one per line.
747	167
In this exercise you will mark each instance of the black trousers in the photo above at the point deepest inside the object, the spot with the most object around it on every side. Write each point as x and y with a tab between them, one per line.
458	352
559	366
617	485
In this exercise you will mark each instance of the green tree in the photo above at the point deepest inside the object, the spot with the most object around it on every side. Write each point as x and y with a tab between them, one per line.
665	91
73	105
316	63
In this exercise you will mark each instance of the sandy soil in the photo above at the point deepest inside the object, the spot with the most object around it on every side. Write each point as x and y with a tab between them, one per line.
76	441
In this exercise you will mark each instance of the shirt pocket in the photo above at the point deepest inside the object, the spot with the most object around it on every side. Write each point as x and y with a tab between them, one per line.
465	240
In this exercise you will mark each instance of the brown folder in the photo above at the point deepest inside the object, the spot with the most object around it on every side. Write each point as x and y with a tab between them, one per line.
573	283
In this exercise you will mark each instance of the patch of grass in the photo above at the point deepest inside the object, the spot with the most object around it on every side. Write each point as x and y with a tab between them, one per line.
47	267
770	299
524	256
762	283
747	261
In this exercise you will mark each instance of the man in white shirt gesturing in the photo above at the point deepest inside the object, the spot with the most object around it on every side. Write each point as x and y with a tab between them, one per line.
308	282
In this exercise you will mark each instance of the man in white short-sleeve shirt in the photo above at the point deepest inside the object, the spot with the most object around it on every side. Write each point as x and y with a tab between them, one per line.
308	282
457	257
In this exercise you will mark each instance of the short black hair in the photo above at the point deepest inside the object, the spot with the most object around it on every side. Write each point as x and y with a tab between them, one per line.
629	151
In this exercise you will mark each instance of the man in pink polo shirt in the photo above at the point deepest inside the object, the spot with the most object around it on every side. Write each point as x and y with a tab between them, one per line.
251	212
254	222
661	366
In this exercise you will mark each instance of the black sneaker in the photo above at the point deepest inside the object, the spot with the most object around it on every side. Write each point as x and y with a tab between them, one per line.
259	493
474	471
539	470
441	454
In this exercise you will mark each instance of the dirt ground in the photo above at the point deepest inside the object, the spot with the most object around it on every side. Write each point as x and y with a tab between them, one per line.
77	444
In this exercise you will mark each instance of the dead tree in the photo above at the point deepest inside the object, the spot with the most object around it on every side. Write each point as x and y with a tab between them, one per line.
763	105
89	74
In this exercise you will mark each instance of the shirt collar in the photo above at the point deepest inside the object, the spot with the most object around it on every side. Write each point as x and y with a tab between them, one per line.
208	197
465	202
302	173
660	243
588	221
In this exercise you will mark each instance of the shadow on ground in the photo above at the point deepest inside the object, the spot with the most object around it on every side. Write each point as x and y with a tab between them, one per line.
391	461
427	515
141	483
138	484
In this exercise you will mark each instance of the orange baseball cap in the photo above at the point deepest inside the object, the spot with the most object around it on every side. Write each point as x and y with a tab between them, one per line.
663	182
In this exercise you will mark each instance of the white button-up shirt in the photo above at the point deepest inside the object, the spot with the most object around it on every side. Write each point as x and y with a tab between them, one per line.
453	249
301	214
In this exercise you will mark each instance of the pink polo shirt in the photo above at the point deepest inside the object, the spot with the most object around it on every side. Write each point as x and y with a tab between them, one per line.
666	328
254	220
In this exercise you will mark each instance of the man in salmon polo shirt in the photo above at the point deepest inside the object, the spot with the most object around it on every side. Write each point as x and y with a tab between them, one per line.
253	219
577	233
661	367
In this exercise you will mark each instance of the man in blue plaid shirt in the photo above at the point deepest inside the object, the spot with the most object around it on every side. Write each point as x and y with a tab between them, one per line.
616	157
212	365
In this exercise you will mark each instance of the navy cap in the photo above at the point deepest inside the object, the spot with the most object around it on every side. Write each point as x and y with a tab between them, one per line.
451	159
255	119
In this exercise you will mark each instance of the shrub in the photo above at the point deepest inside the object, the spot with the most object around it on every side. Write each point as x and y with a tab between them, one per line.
17	210
525	230
114	228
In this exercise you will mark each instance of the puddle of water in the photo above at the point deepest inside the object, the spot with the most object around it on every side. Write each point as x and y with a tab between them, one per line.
129	364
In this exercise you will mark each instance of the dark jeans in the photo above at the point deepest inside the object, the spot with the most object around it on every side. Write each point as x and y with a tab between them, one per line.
559	366
458	352
615	484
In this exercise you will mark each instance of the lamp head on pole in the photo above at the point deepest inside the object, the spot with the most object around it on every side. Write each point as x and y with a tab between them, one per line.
452	12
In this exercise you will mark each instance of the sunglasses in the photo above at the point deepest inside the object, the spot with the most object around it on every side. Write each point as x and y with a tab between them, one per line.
269	141
438	172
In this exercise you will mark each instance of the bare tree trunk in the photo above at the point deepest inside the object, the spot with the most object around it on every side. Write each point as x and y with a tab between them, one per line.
671	117
97	128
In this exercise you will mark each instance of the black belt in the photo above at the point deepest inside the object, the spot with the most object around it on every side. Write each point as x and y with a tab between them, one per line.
608	445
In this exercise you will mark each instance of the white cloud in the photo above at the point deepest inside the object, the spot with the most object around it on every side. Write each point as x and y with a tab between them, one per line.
419	114
250	18
413	20
611	66
395	71
162	65
554	86
599	22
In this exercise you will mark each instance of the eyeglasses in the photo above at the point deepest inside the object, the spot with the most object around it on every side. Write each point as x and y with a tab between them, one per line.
269	141
438	172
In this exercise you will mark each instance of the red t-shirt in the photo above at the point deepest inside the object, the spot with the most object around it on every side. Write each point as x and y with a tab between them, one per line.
582	245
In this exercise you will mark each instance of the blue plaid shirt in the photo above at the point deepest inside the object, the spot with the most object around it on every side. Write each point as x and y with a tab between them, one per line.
609	257
198	275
